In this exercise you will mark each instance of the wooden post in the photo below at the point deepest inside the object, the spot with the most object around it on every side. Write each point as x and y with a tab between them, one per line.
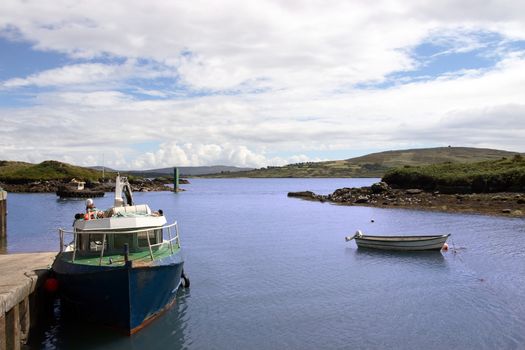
25	319
3	337
12	329
3	213
176	179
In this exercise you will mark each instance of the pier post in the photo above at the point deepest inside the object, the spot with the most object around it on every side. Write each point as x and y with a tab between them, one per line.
3	338
25	319
3	213
176	179
12	328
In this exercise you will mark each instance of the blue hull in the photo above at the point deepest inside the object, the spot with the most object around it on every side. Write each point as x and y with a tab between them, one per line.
122	297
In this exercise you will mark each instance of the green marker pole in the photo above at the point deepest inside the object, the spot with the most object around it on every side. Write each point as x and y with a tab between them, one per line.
176	179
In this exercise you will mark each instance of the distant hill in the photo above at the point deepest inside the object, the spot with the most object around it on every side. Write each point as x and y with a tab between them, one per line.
423	156
106	169
14	172
21	172
376	164
189	171
371	165
503	174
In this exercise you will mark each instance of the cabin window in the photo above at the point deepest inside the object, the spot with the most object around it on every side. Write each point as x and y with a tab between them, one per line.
95	242
120	239
155	236
91	242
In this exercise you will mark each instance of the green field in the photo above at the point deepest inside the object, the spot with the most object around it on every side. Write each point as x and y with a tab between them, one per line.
488	176
50	170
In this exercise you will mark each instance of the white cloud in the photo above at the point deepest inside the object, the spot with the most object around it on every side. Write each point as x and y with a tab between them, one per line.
200	154
88	75
302	58
68	75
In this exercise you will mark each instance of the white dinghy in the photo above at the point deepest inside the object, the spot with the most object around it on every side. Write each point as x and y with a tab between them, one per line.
400	243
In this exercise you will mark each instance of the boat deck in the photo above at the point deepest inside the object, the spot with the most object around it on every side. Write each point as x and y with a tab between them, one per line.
117	259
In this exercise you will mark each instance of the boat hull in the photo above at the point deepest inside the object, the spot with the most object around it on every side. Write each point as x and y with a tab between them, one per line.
402	243
74	193
125	297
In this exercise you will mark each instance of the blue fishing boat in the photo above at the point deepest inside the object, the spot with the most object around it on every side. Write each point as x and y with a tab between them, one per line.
124	265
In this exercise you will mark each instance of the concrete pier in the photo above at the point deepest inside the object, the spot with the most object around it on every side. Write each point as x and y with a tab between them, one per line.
20	278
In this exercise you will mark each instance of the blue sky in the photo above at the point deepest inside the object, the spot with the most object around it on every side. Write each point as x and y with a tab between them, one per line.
256	84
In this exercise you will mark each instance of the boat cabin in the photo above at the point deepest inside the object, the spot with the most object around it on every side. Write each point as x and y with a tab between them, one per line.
115	241
124	229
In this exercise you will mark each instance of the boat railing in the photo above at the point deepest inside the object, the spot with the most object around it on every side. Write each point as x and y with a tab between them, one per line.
173	238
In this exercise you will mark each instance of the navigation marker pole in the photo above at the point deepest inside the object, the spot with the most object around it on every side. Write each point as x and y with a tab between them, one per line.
175	180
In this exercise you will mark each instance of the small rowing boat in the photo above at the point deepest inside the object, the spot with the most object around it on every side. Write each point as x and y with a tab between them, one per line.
403	243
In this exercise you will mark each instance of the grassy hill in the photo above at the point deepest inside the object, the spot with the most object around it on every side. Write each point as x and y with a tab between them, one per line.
20	172
487	176
423	156
188	171
372	165
376	164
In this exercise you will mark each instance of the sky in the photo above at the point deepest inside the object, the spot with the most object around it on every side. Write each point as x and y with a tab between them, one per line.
149	84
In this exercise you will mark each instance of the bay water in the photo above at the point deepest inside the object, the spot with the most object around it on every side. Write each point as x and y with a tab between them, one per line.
272	272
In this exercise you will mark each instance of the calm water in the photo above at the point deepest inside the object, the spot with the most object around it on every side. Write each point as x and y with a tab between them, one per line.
269	272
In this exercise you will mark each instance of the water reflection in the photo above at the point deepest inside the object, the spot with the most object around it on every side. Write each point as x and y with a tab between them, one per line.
430	258
170	330
62	328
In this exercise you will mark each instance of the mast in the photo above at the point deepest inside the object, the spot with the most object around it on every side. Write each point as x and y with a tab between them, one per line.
122	186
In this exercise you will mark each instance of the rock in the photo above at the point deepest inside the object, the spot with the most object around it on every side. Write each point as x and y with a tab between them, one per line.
362	199
302	194
521	201
499	198
413	191
517	213
380	187
342	191
506	211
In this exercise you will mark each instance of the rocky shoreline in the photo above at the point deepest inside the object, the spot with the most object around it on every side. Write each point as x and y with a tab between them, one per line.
137	185
382	196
